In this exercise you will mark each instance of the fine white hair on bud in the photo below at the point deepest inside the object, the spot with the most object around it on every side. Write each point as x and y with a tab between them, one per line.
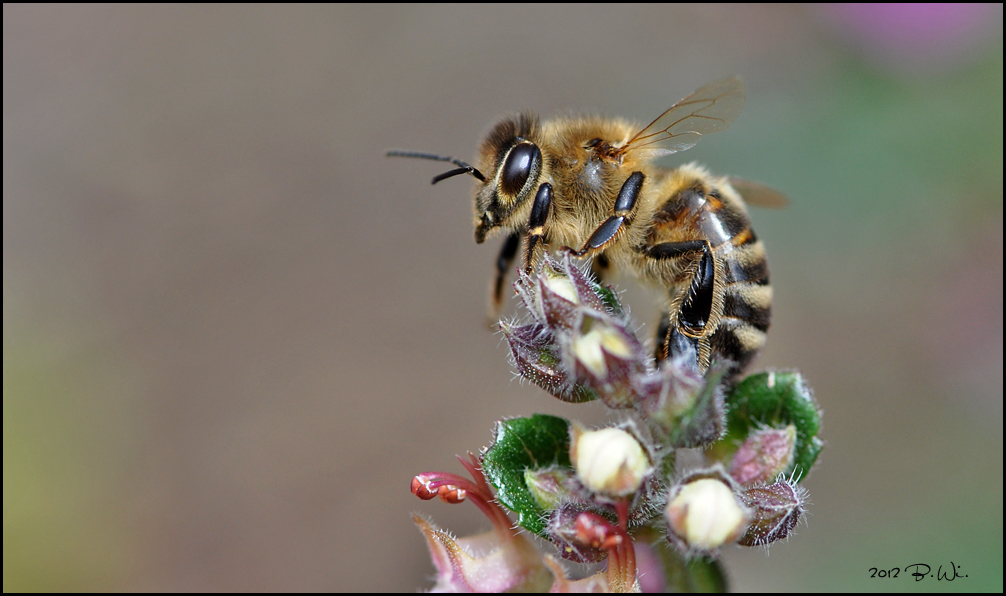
706	514
609	461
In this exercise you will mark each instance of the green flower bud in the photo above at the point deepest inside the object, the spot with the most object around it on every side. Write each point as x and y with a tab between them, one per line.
550	486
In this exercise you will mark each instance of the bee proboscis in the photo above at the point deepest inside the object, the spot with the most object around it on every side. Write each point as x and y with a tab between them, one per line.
589	182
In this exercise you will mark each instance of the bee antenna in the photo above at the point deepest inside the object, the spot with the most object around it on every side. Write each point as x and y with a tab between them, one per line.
463	168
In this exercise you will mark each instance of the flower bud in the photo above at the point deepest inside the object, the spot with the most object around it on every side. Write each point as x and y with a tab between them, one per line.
669	395
764	455
536	357
776	510
608	359
590	348
560	291
558	298
598	532
588	293
705	514
608	461
574	541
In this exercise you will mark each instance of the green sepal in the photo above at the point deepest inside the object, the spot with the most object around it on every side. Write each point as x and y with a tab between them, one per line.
608	297
775	399
535	443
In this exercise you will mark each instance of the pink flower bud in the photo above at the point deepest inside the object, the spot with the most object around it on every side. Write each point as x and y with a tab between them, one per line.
567	532
764	455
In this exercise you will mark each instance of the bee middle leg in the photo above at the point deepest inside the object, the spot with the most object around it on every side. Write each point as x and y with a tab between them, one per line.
625	209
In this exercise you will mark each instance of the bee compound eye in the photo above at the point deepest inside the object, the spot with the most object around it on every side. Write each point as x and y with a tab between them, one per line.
517	167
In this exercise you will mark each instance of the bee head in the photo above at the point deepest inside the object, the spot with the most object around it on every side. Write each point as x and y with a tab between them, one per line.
513	164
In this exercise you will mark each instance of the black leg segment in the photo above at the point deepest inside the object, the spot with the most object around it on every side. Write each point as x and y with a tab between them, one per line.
503	263
536	225
625	206
629	193
697	305
673	250
602	235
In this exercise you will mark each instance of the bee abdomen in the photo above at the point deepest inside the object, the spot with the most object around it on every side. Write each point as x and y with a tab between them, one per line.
746	263
747	308
750	306
738	341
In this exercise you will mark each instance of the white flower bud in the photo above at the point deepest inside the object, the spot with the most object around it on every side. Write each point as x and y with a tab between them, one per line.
609	461
590	347
561	285
706	514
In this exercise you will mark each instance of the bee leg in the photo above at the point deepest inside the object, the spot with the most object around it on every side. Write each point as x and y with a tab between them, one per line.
696	307
683	347
625	208
671	342
503	263
536	225
660	353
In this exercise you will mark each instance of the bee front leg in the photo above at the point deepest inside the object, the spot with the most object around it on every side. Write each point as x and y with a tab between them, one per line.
625	210
696	306
536	225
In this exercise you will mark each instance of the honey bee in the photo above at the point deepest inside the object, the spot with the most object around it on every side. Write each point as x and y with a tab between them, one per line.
587	186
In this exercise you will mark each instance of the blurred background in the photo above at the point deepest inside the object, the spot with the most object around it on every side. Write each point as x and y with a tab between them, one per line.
233	331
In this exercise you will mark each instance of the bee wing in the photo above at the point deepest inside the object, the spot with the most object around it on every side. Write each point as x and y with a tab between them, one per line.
710	109
756	193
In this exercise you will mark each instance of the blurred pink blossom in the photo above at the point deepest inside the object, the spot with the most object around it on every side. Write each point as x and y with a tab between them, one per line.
916	36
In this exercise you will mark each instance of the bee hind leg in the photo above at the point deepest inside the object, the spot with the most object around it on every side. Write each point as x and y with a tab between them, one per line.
695	308
663	339
673	343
